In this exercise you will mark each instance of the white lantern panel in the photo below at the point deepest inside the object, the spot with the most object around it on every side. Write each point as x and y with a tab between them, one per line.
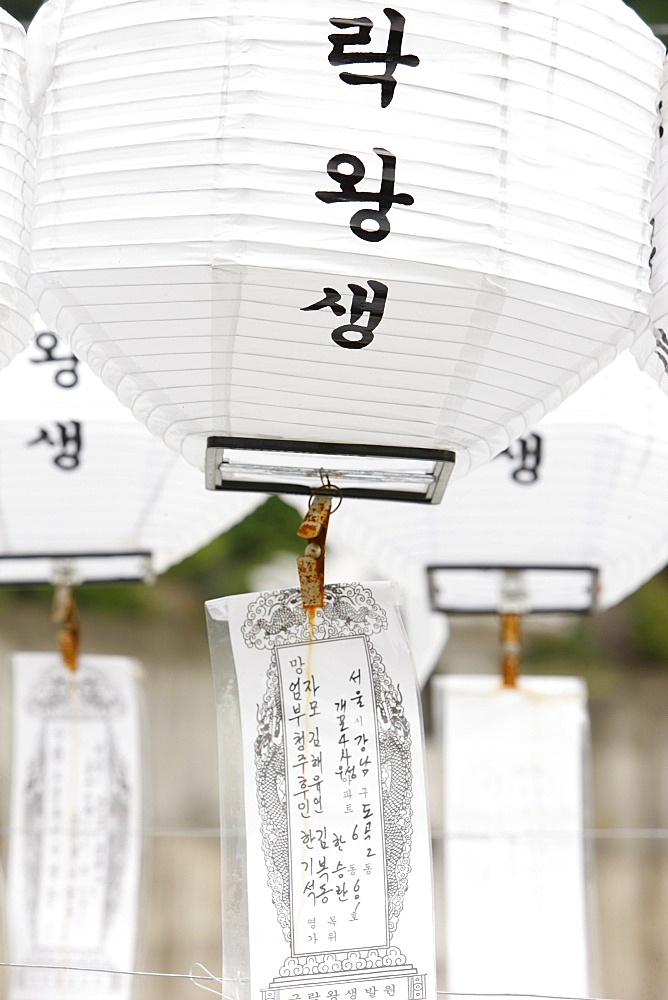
75	837
513	590
651	350
198	241
85	488
514	784
584	491
15	192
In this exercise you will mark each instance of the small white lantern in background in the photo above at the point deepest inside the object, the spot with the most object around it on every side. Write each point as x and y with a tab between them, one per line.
86	493
580	500
379	240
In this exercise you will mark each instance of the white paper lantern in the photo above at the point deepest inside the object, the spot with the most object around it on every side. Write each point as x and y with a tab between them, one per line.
15	197
86	489
583	495
347	226
651	350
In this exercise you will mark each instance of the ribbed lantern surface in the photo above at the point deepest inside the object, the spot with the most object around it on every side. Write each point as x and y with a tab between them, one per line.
584	489
343	222
651	350
86	490
15	192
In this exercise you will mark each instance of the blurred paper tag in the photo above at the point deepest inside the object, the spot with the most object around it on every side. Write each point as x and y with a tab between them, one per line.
334	786
75	840
515	889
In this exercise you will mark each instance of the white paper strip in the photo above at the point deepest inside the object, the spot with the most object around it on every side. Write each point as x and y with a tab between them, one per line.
515	896
75	843
322	774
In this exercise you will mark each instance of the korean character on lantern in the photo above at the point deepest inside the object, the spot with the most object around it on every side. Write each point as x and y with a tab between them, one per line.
356	334
369	224
68	438
391	57
67	376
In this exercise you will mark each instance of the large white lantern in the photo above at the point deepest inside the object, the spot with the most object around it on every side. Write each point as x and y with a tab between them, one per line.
380	240
86	493
570	517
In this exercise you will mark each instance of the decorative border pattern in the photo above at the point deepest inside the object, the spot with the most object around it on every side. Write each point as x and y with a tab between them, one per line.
87	697
277	619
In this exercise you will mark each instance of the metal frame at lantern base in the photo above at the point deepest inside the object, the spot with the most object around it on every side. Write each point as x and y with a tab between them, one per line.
524	606
75	568
373	472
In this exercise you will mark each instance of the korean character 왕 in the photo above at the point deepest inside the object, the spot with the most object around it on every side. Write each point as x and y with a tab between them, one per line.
347	170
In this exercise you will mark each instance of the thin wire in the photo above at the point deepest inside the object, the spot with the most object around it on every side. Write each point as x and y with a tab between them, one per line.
613	833
115	972
209	978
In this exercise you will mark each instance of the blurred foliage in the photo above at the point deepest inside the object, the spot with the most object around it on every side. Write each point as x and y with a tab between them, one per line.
648	620
226	565
545	651
592	645
22	10
652	11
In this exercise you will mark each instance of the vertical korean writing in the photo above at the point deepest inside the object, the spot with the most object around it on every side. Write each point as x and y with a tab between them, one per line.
338	866
65	437
302	708
76	843
351	47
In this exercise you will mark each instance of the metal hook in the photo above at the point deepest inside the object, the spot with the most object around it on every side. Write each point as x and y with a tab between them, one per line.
327	488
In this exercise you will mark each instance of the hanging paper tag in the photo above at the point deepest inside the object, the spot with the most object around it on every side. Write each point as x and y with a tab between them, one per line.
322	760
74	851
514	886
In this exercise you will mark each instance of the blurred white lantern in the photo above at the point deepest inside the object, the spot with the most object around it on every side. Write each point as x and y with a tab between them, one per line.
397	235
576	509
85	491
15	185
651	350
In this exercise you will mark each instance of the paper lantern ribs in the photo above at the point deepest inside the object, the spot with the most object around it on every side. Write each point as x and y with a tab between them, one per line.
293	239
15	155
86	493
651	349
576	513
